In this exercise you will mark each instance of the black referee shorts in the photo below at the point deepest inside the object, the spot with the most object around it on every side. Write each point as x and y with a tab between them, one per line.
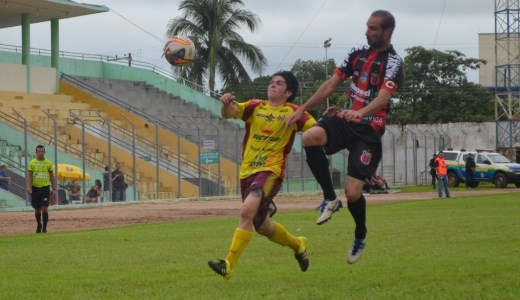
40	196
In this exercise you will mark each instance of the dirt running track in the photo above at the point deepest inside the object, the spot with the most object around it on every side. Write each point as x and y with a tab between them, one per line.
69	218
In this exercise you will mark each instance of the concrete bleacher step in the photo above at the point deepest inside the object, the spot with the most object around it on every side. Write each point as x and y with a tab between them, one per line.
140	95
63	137
98	156
38	118
77	146
13	152
120	156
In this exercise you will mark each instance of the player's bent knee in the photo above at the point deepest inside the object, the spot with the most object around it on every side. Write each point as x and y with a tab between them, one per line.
353	195
315	136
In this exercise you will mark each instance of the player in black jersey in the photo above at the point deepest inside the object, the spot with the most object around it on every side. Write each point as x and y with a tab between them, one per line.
376	72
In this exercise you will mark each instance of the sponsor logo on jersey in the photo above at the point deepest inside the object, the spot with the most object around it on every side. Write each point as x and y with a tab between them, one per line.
364	76
374	78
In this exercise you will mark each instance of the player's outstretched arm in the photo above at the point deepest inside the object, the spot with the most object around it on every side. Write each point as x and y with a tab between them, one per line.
324	91
228	109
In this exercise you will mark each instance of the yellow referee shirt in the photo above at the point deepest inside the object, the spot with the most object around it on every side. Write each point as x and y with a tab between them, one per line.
41	170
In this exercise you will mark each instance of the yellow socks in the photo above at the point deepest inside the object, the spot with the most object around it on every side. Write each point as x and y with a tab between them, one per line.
239	243
242	237
282	237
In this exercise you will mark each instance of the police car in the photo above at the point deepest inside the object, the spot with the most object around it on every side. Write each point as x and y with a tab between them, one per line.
490	167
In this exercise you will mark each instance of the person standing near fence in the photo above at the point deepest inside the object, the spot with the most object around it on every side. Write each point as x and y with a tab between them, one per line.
433	173
106	185
40	179
267	144
118	184
470	171
442	175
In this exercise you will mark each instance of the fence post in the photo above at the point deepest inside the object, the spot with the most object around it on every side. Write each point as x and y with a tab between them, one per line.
84	183
55	132
26	158
133	156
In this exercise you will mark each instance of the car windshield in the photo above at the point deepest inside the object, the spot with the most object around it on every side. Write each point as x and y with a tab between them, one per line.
498	159
450	155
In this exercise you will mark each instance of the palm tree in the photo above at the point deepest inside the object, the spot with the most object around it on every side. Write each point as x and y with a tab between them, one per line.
212	25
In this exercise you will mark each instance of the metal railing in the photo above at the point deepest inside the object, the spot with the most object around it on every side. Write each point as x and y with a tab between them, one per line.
122	137
137	112
113	59
205	171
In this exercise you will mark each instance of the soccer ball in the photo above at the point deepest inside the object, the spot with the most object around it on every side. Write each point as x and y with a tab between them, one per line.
179	50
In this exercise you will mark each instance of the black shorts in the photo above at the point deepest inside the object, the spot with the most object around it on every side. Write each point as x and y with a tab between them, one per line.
40	196
361	140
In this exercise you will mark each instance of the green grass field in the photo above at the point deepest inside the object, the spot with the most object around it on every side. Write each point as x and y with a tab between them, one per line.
461	248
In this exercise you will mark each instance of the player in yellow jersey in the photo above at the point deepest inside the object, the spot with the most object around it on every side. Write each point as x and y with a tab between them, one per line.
266	146
39	181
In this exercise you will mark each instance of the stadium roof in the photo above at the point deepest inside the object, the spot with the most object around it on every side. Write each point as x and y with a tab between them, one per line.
43	10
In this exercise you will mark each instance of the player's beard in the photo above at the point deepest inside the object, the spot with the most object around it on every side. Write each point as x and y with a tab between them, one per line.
377	43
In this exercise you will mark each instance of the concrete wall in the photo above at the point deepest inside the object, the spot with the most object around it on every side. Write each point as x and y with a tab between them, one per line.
408	149
503	56
486	50
13	78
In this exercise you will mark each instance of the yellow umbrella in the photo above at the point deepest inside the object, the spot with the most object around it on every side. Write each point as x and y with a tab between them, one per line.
71	172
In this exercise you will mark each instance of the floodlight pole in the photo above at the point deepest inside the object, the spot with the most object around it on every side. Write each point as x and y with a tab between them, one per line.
326	45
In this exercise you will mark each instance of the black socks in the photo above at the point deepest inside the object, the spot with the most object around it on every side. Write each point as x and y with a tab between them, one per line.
39	216
358	211
45	216
319	165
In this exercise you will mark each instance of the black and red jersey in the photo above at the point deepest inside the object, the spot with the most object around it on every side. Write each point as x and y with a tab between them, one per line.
371	71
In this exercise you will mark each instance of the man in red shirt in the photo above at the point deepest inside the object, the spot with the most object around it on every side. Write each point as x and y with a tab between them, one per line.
376	72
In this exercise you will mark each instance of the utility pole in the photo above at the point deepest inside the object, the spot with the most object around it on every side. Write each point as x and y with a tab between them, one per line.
326	44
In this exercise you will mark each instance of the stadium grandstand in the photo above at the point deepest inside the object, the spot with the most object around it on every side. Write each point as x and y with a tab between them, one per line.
93	111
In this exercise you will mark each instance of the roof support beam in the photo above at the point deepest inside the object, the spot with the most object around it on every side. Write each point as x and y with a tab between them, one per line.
26	48
55	49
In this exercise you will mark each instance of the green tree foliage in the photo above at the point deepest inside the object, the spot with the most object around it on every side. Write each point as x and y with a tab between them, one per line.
437	90
259	87
256	89
213	26
311	74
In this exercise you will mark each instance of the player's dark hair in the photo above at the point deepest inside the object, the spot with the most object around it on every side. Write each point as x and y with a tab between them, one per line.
40	147
388	19
290	81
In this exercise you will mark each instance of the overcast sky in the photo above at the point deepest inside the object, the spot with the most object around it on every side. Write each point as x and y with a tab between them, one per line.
290	29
